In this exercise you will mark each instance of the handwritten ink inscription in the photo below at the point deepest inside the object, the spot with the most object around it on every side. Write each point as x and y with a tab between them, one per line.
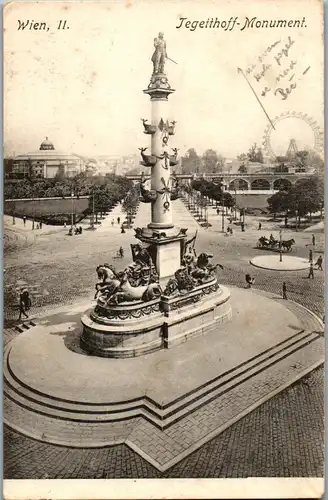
278	66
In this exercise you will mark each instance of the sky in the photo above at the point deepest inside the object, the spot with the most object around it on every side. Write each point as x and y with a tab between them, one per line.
82	86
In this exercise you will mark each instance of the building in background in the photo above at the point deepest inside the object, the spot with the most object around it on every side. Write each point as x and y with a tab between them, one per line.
112	164
46	163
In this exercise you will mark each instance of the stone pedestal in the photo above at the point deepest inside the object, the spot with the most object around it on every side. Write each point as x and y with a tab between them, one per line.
165	248
168	258
137	328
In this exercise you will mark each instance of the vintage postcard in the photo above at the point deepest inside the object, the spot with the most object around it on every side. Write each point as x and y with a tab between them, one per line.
163	249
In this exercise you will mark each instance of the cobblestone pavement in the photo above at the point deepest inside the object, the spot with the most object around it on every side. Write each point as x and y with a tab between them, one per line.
283	437
53	256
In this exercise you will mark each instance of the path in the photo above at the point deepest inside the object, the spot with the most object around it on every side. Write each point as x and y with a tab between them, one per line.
110	223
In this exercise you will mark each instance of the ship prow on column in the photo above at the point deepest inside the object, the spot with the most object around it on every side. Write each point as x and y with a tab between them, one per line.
169	293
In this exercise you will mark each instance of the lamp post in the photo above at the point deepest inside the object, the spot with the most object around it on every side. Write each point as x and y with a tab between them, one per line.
93	210
296	216
222	204
280	247
33	213
235	217
72	214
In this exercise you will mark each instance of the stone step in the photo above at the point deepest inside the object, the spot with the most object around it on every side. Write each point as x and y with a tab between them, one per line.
159	416
84	435
214	391
9	334
64	433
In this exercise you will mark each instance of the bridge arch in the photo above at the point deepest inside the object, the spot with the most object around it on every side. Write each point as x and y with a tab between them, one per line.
282	184
239	184
260	185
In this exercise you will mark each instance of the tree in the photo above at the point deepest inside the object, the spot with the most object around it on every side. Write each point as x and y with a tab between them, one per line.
308	196
251	155
190	163
259	156
280	202
242	169
242	157
303	198
255	154
220	164
210	161
307	159
228	200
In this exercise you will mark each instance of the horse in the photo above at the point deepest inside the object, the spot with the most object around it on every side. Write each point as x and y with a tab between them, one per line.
287	244
203	262
128	293
109	280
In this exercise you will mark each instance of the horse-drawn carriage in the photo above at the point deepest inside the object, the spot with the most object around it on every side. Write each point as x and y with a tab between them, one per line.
273	244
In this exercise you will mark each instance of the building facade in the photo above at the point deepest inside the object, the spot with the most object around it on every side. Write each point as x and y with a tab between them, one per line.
46	163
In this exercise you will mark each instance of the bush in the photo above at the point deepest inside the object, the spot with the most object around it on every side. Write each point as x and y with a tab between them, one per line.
59	219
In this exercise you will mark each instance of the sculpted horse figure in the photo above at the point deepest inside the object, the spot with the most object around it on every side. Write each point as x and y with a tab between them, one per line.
203	268
109	283
129	293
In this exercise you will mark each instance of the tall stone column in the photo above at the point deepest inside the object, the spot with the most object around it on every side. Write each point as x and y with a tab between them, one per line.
164	239
161	210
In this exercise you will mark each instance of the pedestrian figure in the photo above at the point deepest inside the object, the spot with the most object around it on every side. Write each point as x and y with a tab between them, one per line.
118	220
260	226
313	240
24	303
319	263
231	231
249	281
121	252
122	229
242	225
40	225
310	256
284	290
311	273
80	229
65	225
24	220
113	222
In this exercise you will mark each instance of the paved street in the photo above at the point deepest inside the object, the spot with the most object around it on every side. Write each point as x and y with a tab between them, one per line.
282	437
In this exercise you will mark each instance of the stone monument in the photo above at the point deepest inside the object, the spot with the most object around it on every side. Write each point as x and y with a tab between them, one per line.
168	294
164	239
